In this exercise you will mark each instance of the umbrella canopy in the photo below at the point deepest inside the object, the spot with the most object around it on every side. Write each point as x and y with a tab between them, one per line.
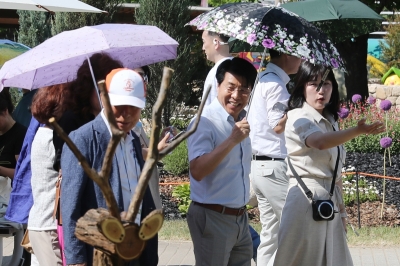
57	59
320	10
9	50
340	19
273	28
49	5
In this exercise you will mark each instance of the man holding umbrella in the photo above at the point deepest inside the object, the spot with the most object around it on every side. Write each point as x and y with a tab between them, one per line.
267	119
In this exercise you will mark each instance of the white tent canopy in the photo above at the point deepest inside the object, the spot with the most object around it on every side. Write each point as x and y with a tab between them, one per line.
49	5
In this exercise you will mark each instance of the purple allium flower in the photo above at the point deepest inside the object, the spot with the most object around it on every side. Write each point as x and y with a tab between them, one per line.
268	43
251	38
371	100
385	142
386	105
356	98
343	113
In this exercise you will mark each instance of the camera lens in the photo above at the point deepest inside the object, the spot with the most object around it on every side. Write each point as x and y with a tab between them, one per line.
325	209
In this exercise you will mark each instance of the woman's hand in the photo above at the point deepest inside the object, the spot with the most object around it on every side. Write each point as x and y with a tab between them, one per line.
374	128
163	142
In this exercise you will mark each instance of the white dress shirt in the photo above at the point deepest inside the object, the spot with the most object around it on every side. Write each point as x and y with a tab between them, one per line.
263	117
212	80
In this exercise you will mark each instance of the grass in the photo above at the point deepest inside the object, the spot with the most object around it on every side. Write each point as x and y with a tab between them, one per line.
368	236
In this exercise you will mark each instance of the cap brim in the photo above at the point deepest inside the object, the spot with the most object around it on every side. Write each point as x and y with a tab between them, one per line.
117	100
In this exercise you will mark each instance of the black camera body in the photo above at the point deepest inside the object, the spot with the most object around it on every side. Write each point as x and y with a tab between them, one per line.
323	210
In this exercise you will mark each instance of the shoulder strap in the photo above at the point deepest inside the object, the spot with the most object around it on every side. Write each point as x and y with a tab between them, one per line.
335	171
308	192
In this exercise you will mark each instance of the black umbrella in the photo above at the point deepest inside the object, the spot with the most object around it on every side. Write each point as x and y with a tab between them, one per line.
273	28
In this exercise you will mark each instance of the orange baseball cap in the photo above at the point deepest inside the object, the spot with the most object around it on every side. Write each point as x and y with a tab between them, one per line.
126	87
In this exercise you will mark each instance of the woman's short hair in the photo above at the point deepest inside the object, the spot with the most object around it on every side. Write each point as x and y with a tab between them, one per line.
51	101
310	72
6	102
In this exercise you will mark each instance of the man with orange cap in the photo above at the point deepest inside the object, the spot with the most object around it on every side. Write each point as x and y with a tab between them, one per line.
127	93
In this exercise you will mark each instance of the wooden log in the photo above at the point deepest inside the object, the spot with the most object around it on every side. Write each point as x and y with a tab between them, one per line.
102	259
87	230
132	246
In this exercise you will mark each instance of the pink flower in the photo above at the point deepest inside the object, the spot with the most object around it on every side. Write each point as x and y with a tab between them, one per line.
343	113
356	98
251	38
386	105
385	142
371	100
268	43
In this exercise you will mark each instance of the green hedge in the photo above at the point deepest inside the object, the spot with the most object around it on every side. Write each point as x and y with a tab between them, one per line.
177	162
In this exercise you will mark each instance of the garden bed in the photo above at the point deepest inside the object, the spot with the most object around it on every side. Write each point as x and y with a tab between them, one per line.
369	211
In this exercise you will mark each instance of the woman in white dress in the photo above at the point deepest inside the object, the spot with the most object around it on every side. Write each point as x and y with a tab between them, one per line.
312	136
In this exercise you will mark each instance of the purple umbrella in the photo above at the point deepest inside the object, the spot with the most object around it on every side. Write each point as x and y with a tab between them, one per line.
57	60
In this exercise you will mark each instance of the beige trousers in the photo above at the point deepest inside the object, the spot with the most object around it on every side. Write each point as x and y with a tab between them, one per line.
46	247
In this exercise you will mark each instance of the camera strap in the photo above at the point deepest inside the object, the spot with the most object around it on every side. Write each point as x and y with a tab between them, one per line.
308	192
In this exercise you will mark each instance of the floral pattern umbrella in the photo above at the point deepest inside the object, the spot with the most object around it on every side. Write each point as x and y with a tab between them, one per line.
273	28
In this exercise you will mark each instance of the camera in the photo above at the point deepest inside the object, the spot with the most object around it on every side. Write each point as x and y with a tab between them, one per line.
323	210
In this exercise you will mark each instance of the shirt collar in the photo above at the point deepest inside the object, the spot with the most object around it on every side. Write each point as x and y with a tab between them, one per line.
316	115
216	105
271	67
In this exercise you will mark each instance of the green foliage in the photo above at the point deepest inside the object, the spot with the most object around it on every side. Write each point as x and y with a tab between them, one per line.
391	51
182	193
16	96
177	161
190	64
34	27
71	20
367	190
370	143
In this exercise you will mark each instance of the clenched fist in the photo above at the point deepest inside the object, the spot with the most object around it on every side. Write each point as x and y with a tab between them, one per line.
240	131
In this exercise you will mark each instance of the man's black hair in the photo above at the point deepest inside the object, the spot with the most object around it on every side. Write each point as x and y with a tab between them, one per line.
239	67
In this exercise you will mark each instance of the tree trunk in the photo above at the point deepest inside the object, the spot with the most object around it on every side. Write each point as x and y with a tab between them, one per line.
354	55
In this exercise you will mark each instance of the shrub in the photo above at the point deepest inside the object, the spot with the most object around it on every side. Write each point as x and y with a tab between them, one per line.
370	143
177	162
182	193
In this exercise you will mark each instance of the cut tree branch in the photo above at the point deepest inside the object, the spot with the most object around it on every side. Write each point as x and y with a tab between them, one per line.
171	146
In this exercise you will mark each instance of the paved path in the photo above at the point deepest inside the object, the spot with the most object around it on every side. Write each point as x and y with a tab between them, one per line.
174	253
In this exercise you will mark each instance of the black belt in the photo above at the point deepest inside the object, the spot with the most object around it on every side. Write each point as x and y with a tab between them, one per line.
265	158
223	209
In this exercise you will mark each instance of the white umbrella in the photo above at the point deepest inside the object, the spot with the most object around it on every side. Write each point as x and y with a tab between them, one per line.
49	5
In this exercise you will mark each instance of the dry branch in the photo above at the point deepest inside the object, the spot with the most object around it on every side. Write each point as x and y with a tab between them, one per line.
152	156
185	135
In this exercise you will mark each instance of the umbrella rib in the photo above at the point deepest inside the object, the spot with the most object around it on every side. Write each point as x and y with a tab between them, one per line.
40	6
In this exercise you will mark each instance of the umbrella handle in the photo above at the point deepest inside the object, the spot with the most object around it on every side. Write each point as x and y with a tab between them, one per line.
94	82
256	81
323	79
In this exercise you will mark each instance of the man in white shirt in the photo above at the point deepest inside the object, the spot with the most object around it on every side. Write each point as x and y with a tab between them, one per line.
267	119
216	48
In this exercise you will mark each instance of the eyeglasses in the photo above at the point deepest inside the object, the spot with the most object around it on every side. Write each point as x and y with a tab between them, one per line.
144	76
243	91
